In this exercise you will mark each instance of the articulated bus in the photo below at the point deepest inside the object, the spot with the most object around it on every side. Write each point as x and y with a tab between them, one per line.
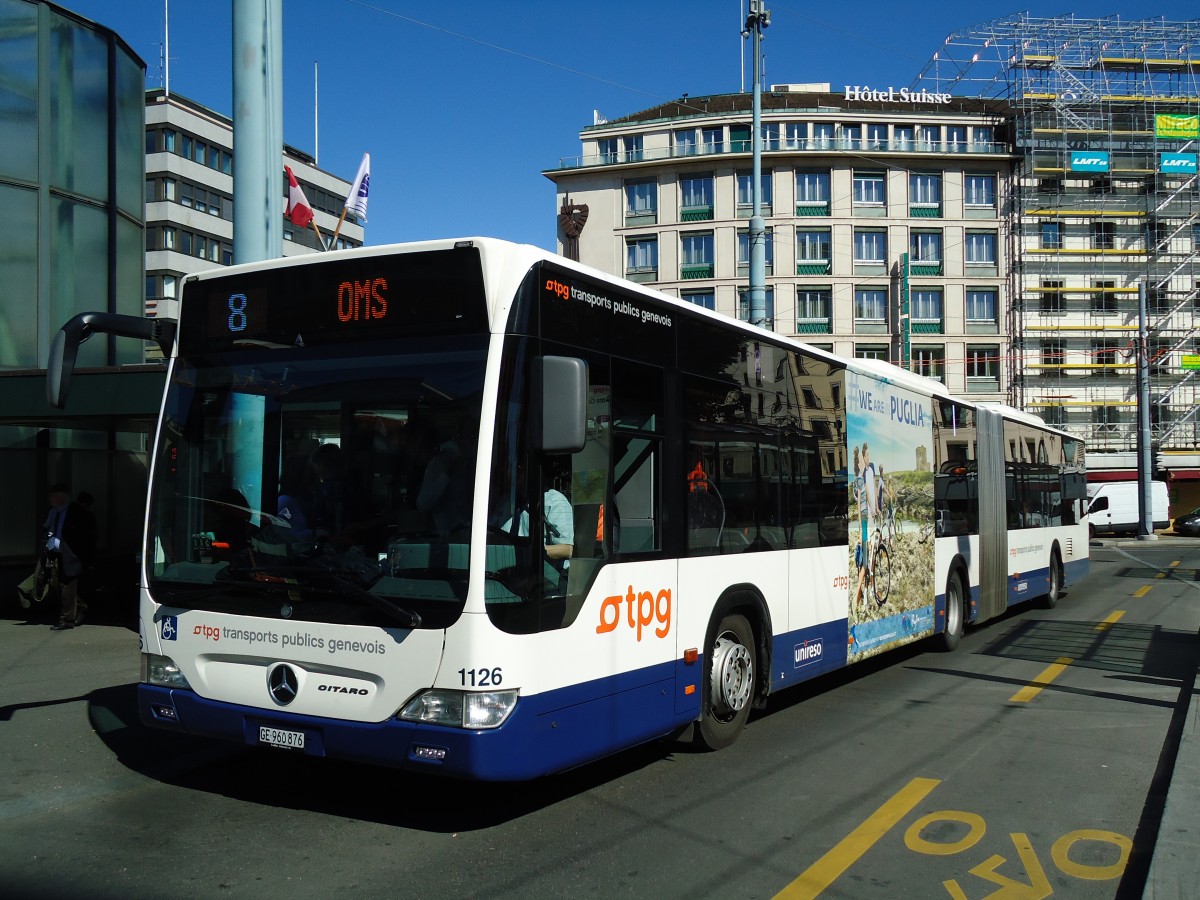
466	507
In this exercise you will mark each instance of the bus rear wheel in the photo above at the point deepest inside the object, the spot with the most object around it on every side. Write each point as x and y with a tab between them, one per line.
1050	600
728	683
956	614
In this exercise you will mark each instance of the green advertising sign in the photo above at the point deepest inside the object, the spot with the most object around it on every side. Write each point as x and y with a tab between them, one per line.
1191	361
1171	126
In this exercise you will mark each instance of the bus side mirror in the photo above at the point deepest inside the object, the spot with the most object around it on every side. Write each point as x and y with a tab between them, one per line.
559	386
64	348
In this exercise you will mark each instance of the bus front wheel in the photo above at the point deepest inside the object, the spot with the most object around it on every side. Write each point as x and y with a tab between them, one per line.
728	683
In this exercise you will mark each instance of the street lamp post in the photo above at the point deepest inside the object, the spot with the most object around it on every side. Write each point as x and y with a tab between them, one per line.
758	19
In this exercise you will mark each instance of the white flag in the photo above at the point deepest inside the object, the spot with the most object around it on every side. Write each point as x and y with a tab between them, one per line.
356	201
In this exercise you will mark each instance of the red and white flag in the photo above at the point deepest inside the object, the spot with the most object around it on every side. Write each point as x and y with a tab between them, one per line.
298	209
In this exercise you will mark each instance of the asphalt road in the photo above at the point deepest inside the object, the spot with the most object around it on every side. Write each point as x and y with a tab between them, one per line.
1033	761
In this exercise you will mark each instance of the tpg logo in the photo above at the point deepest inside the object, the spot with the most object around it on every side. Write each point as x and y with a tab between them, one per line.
808	653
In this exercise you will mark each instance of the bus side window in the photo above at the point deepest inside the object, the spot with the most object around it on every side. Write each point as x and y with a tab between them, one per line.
637	424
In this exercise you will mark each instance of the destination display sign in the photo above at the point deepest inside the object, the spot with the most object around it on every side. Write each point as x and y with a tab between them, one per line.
318	302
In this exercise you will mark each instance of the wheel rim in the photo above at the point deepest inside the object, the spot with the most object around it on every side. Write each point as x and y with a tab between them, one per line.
732	679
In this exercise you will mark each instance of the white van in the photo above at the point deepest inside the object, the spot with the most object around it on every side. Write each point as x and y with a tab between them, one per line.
1113	507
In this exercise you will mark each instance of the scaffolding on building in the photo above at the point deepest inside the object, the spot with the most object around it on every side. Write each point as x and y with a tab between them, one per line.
1105	197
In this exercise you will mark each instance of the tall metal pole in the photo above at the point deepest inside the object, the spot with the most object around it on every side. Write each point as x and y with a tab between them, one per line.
257	193
257	130
1145	463
755	23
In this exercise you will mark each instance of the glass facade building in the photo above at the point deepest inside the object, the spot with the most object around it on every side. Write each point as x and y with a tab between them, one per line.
71	188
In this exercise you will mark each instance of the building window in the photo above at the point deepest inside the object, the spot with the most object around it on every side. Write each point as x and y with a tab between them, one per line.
696	260
706	299
985	136
1104	301
770	136
641	258
852	137
1054	414
980	249
641	201
1052	301
608	150
743	252
925	307
983	365
930	362
740	138
870	247
870	305
744	307
869	189
745	201
877	136
795	135
956	138
902	137
632	146
871	351
979	190
981	305
822	135
924	192
812	192
1104	356
1053	354
1051	236
1103	235
812	246
712	140
696	197
930	137
926	248
685	142
813	310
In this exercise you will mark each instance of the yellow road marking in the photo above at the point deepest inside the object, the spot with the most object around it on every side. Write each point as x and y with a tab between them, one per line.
1052	671
1173	564
826	870
1143	590
1110	620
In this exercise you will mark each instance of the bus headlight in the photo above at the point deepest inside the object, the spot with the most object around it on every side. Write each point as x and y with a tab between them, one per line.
460	709
161	670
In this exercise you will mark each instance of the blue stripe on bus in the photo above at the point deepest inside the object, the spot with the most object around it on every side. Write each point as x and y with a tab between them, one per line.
546	732
1075	570
807	653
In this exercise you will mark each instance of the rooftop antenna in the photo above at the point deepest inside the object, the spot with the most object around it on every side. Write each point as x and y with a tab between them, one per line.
316	122
745	34
166	48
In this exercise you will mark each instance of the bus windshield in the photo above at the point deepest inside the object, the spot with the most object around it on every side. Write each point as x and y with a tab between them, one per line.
318	484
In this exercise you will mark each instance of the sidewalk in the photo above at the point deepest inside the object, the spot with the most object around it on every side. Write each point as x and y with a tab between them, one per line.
1175	867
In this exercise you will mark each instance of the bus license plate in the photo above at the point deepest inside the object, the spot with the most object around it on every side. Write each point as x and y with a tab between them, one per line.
279	737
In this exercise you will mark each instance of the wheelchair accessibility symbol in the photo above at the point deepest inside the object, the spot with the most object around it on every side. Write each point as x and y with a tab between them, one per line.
170	628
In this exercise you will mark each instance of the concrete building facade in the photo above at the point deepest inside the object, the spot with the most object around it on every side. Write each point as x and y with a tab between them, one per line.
885	216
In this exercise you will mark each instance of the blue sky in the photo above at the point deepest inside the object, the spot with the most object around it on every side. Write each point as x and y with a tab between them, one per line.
462	105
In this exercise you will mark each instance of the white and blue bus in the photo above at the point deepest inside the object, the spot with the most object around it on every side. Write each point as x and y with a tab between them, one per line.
467	507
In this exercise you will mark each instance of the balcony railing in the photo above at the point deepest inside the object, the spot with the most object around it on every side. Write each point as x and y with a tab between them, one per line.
803	145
